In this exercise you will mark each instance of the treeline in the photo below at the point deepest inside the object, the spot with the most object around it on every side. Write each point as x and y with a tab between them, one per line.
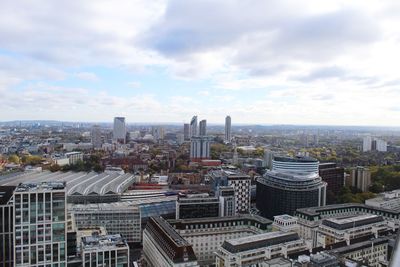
90	164
385	178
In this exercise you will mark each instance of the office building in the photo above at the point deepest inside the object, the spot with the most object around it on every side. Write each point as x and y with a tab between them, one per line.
226	195
207	234
255	249
335	230
157	132
104	250
360	177
119	130
292	183
96	138
240	182
6	226
334	177
118	218
200	148
193	127
228	129
40	224
186	131
367	143
163	246
203	128
197	206
268	157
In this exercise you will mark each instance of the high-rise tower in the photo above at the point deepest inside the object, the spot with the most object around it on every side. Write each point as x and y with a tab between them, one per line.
203	128
193	127
228	126
119	131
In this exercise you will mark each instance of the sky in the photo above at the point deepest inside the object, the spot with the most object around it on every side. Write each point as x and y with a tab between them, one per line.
261	62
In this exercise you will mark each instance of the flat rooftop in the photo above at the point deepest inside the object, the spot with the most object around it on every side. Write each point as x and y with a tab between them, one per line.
100	242
316	211
77	183
43	186
351	222
259	241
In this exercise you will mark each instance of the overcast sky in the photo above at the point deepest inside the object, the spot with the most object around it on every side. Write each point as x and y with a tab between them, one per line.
280	62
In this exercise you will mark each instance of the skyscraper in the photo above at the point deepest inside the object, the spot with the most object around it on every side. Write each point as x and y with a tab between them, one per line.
96	136
193	126
228	122
186	131
119	132
40	224
203	128
292	183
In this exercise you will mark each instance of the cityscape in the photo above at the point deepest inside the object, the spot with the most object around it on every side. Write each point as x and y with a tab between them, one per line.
198	133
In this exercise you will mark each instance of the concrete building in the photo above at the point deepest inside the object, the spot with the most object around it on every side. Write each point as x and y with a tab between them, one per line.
200	148
186	131
118	218
367	143
207	234
228	129
119	130
292	183
374	144
193	127
252	250
335	230
285	223
203	128
40	224
74	157
104	250
96	138
309	219
360	177
163	246
240	182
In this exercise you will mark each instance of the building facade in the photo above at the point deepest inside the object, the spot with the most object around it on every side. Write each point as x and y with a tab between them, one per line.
96	138
197	207
40	236
193	127
226	195
360	177
203	128
119	130
186	131
228	129
200	148
334	177
6	226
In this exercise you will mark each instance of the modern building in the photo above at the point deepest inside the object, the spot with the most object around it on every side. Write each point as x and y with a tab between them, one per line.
6	226
203	128
334	177
193	127
200	148
240	182
186	131
360	177
104	250
163	246
207	234
335	230
367	143
118	218
96	138
268	157
74	157
197	206
119	130
292	183
40	224
228	129
226	195
374	144
285	223
252	250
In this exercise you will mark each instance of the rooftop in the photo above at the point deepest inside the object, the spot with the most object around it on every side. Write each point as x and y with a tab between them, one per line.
77	183
316	211
351	222
96	242
43	186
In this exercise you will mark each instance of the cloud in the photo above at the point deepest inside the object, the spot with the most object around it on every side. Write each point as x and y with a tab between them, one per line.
134	85
87	76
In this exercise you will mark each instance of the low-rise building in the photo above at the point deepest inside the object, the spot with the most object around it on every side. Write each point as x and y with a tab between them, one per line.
285	223
197	206
386	200
255	249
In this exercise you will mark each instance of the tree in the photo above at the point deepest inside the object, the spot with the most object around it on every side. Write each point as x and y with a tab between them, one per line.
14	159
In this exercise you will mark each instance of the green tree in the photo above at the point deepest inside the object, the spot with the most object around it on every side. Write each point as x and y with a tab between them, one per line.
14	159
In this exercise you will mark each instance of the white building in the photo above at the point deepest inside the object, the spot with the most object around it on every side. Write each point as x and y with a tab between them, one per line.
96	137
372	143
200	148
119	130
367	143
255	249
228	129
203	128
40	225
285	223
226	195
386	200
